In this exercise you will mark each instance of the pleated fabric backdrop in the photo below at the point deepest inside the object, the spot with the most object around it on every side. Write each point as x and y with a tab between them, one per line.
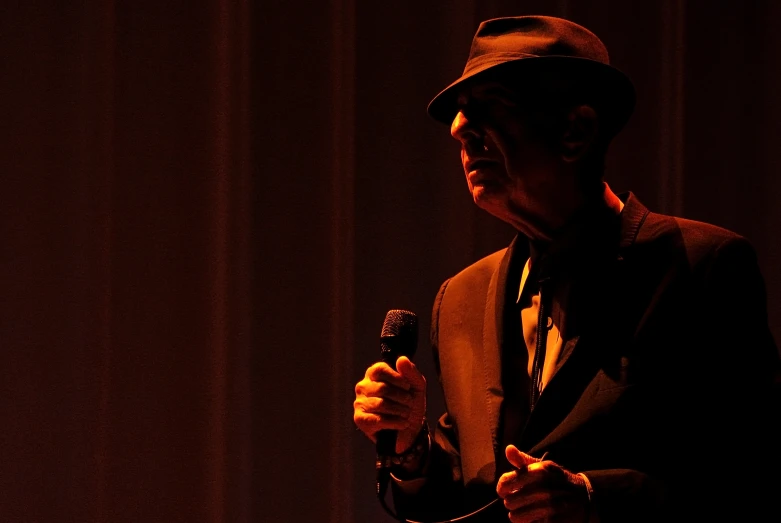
208	206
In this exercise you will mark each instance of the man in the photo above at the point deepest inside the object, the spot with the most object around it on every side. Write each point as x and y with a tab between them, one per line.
612	364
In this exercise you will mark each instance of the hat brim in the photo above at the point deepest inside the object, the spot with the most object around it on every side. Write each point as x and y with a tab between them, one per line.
609	89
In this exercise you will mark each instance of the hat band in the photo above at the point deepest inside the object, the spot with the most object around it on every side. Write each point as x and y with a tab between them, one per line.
479	63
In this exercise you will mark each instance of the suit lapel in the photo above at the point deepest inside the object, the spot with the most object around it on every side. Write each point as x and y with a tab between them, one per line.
494	332
583	355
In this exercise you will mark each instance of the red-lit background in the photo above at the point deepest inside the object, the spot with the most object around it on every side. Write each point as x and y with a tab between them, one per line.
207	207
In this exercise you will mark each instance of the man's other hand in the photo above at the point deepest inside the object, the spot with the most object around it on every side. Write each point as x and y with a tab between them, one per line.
541	490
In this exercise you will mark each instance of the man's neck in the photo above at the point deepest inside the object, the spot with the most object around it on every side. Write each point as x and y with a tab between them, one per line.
602	204
599	202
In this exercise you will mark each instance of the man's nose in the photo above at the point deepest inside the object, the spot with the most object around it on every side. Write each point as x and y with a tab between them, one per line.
462	129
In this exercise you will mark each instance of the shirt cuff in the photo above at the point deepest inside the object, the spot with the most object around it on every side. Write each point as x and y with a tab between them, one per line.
592	514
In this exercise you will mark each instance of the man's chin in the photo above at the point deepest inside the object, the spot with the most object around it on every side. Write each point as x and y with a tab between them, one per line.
491	199
488	194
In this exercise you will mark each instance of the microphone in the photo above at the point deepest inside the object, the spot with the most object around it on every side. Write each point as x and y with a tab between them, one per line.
399	337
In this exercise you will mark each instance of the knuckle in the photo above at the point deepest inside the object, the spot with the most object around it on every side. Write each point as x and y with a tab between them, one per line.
360	421
365	421
360	406
383	389
378	368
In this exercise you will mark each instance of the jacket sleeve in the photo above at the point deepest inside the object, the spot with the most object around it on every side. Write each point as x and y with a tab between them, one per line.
719	458
735	408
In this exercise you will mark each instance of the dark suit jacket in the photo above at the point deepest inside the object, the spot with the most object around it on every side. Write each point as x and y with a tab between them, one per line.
663	397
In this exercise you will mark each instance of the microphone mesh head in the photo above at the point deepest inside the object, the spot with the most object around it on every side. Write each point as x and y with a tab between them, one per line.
400	323
399	336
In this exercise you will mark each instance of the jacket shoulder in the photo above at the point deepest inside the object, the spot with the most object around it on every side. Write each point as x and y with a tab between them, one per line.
692	231
482	268
476	275
698	240
462	289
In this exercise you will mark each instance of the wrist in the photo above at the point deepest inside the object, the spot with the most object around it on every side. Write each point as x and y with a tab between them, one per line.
411	462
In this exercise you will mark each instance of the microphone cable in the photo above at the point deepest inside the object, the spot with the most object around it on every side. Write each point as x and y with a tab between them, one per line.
399	337
383	480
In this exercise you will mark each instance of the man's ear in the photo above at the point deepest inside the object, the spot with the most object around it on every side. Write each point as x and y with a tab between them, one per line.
580	132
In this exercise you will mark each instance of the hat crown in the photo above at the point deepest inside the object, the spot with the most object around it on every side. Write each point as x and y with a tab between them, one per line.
523	49
534	36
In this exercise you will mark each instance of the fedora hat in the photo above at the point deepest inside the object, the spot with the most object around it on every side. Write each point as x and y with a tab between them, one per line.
524	50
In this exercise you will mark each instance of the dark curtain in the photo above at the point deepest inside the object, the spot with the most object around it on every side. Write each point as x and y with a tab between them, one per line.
208	206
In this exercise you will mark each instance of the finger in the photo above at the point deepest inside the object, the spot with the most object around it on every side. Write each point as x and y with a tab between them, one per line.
545	506
378	389
508	484
376	413
370	423
517	481
525	515
532	499
383	372
410	372
373	405
517	458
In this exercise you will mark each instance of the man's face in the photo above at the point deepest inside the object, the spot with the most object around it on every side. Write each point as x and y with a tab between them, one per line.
511	169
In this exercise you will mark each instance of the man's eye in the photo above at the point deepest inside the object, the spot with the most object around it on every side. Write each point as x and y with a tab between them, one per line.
504	99
492	100
476	109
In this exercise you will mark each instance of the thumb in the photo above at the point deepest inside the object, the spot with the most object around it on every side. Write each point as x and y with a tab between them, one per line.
517	458
410	372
